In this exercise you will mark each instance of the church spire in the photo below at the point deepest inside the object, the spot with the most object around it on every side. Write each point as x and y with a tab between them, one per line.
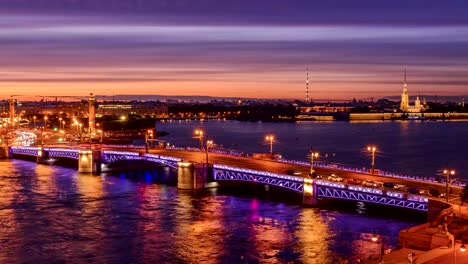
405	79
404	104
307	86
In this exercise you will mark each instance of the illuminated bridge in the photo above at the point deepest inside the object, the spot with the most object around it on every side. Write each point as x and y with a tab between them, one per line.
192	175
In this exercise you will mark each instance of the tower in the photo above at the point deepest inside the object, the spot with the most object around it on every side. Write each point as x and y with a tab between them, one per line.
307	99
12	111
92	114
404	105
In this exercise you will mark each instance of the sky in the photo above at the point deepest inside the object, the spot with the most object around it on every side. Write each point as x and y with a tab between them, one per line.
255	48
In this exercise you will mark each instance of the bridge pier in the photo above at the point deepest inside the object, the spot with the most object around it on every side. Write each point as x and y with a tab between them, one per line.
309	197
97	161
194	176
5	152
42	155
85	161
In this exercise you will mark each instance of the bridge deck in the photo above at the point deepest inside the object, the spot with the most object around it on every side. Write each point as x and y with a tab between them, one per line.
281	168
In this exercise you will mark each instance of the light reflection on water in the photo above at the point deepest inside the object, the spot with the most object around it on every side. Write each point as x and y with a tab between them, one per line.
51	214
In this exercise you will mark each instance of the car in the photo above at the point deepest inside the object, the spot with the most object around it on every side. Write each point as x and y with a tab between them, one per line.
352	181
293	172
400	187
317	176
369	183
388	185
436	193
413	190
335	178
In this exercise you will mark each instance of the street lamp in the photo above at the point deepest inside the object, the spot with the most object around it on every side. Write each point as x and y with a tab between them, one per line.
270	139
148	137
45	122
372	149
447	173
60	123
34	118
199	134
312	156
209	143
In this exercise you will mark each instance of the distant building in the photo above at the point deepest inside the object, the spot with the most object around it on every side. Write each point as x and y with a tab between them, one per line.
154	109
405	105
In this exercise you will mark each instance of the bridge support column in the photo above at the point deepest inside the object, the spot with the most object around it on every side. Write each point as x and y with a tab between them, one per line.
5	152
96	155
42	155
310	192
191	176
85	161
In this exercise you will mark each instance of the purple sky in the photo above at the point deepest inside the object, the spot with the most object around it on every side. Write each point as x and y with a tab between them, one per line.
233	48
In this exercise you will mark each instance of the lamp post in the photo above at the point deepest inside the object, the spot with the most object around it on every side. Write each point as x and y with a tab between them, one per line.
209	143
270	139
148	138
199	134
42	137
372	149
34	118
447	173
312	156
45	122
60	123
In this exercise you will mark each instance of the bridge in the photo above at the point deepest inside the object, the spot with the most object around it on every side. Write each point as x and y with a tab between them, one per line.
224	168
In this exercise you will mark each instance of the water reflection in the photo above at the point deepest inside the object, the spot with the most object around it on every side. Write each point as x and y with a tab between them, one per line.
314	237
55	215
199	232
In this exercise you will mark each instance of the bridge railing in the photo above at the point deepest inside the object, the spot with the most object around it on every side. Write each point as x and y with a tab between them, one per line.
460	183
259	173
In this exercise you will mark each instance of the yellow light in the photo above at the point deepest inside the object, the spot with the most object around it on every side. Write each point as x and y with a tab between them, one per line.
308	189
184	164
374	238
462	248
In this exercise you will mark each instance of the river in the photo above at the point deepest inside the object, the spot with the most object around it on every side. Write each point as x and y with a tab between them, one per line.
52	214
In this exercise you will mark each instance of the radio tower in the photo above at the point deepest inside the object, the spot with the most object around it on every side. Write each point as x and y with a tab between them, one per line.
307	99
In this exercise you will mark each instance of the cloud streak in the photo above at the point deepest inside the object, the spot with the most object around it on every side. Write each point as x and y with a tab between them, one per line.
180	47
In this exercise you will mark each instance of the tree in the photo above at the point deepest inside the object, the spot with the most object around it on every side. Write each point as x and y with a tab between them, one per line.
464	194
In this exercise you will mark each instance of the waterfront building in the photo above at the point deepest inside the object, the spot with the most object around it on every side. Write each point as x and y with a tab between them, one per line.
151	108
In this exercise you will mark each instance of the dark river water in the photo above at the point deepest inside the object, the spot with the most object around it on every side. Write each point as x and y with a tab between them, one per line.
52	214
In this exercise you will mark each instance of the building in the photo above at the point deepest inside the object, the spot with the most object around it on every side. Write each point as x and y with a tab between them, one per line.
405	103
149	108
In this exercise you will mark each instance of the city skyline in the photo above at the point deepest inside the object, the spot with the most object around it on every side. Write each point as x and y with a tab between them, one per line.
241	49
